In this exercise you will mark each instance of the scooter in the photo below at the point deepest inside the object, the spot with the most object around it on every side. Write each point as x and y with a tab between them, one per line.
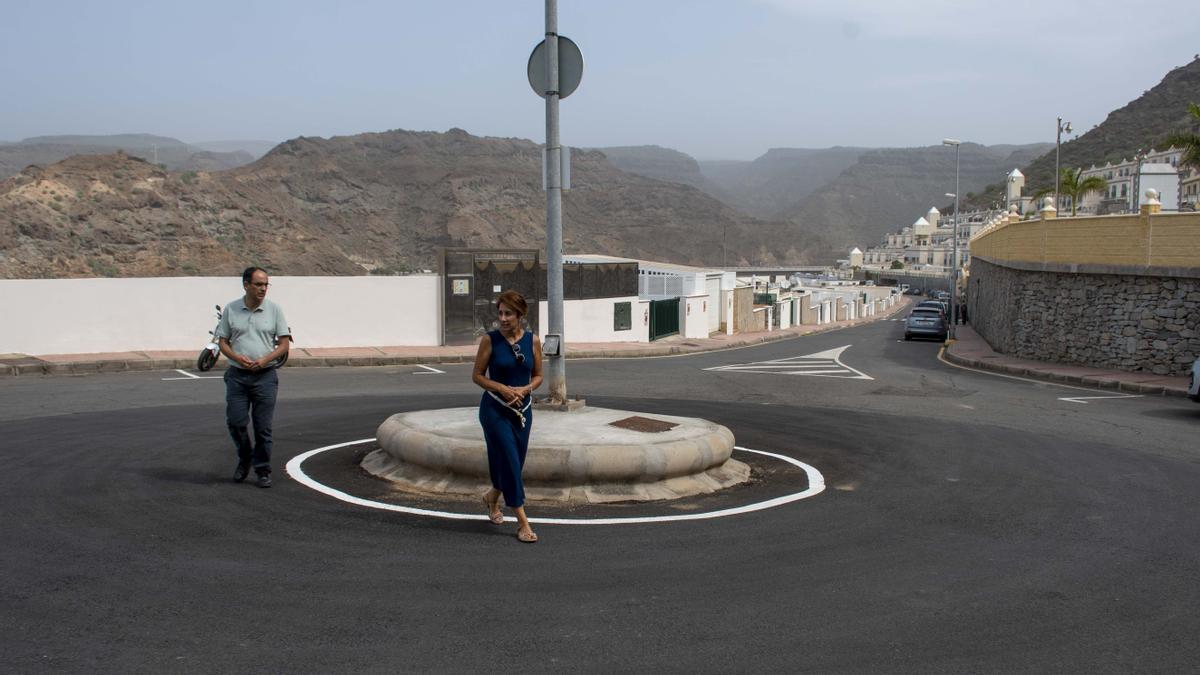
212	351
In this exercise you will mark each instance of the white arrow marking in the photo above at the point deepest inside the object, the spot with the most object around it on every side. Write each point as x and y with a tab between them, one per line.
803	365
1084	399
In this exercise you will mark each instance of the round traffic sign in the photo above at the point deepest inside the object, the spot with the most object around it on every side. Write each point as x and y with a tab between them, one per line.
570	68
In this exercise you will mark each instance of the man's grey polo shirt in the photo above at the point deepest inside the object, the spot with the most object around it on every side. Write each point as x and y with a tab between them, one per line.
252	333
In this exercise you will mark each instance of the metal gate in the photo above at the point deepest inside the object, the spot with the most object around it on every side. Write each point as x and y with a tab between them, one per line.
664	318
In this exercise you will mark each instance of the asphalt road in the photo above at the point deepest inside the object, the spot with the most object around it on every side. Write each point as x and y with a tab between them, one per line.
971	523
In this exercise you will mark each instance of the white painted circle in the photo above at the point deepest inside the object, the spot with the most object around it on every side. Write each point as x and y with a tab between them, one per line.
816	485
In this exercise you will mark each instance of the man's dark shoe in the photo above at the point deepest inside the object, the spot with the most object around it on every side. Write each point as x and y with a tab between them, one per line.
264	480
240	473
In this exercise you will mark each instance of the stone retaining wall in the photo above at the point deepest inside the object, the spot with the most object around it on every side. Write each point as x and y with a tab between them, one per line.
1126	322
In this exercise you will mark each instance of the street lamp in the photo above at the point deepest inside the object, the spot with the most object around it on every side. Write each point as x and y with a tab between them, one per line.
1057	142
954	256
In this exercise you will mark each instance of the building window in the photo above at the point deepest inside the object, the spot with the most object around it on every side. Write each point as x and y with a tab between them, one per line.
1124	189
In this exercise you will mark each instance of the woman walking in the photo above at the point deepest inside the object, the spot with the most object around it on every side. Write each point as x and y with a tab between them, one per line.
508	366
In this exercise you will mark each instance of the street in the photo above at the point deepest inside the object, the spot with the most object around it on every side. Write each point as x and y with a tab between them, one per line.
969	522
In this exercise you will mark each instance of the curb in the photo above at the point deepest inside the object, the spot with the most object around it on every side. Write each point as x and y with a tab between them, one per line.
1102	382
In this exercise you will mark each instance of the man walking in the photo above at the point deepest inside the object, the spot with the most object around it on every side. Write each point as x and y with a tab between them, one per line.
249	330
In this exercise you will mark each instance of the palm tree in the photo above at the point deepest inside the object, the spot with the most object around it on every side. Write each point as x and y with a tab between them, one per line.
1188	142
1071	186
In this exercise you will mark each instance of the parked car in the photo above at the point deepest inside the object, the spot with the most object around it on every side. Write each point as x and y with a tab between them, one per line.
1194	384
935	304
925	322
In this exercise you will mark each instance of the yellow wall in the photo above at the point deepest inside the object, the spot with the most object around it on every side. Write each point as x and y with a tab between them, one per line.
1129	241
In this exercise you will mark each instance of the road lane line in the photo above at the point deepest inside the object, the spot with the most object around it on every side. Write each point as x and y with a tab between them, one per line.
189	376
1081	399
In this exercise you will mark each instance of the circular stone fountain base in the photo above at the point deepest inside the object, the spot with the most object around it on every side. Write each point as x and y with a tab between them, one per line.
592	455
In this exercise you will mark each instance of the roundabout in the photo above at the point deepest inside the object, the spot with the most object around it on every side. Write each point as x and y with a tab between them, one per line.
816	485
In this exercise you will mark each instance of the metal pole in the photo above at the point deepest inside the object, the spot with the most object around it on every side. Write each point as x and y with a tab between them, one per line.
556	367
954	255
1057	142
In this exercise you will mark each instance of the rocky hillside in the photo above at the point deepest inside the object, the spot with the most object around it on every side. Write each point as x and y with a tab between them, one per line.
890	188
170	152
1141	124
774	184
379	203
653	161
846	196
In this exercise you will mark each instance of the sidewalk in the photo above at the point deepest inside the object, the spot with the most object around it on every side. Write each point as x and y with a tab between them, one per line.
972	351
112	362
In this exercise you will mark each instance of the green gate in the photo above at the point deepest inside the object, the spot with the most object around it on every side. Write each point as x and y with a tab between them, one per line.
664	318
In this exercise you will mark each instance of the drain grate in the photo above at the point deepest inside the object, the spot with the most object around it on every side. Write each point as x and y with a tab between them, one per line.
644	424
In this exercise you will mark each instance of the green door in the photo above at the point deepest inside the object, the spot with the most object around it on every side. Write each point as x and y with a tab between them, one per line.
664	318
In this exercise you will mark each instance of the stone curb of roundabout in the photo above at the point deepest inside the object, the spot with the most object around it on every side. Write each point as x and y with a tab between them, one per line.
574	457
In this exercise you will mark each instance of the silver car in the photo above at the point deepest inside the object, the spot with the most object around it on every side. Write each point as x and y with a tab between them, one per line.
1194	384
925	322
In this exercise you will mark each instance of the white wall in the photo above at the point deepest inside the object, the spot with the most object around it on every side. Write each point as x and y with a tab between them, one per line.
693	322
592	320
714	303
79	316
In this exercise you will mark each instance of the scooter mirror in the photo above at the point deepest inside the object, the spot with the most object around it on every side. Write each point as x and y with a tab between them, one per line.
218	307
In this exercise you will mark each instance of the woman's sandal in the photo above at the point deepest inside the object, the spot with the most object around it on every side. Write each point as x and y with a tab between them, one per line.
526	537
497	517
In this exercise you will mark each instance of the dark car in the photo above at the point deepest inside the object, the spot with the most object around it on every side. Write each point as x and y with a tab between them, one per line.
926	322
935	304
1194	382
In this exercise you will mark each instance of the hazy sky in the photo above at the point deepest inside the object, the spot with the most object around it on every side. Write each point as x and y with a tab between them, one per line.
715	79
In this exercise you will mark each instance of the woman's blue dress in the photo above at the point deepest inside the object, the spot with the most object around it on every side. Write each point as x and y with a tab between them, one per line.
507	439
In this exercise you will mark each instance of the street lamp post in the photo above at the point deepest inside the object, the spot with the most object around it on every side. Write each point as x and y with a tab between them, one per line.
954	255
1057	142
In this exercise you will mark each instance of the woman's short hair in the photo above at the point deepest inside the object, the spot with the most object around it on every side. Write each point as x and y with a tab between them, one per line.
514	300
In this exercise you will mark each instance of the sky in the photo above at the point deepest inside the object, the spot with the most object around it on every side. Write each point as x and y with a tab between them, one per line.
725	79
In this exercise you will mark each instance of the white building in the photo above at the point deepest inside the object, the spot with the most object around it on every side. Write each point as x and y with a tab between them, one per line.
1124	178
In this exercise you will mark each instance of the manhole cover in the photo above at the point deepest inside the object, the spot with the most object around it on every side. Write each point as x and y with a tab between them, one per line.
638	423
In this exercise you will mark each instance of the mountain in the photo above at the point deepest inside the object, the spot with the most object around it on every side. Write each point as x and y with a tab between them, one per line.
171	152
1139	125
255	149
660	163
772	185
889	188
380	202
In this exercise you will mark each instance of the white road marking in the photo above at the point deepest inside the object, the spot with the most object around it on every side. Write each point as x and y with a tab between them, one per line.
428	370
1084	399
816	485
190	376
821	364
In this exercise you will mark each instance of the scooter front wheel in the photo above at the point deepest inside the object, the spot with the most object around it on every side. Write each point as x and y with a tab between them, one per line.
206	361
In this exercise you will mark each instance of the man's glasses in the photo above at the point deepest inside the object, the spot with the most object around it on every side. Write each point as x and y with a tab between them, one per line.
517	353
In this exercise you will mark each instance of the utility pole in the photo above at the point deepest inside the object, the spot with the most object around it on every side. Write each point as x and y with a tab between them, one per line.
1057	142
556	367
954	254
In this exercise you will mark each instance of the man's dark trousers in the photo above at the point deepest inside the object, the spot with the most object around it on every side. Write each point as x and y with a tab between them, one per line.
250	396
